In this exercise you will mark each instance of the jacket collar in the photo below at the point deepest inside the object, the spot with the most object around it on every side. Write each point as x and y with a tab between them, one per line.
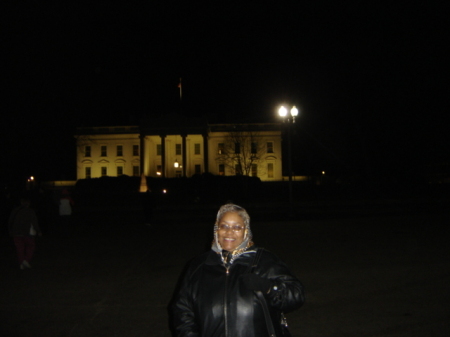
214	258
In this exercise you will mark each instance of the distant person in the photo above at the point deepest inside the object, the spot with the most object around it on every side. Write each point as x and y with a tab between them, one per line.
65	211
225	291
23	227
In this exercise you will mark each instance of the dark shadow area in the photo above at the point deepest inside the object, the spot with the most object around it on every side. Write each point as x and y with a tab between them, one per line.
373	264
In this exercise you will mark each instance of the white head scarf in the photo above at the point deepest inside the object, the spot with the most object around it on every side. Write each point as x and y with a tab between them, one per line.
246	243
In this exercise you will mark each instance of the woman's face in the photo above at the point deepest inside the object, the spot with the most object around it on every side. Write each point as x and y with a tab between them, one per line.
231	231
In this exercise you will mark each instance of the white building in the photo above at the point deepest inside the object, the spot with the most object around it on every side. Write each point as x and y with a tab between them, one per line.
163	149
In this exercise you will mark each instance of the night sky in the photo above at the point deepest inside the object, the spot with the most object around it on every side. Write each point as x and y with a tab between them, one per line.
370	79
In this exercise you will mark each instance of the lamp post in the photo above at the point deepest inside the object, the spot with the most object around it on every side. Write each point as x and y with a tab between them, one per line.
289	118
177	165
30	183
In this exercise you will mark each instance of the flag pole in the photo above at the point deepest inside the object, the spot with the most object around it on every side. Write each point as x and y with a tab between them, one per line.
181	95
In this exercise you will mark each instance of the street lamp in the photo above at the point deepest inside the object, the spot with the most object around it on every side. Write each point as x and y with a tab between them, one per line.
283	112
289	118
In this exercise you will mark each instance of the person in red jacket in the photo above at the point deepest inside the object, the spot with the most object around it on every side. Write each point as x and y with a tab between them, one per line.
23	227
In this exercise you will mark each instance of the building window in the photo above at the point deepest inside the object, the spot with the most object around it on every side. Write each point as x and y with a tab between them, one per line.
178	174
178	149
119	150
237	148
270	170
87	172
135	150
103	151
254	148
221	169
158	170
197	148
198	169
119	170
269	147
135	171
87	151
158	149
104	171
254	170
221	148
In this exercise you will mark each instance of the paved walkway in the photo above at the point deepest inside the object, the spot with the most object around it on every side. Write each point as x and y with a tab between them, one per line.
380	274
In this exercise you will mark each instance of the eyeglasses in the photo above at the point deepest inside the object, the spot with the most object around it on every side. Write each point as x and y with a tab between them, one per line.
234	228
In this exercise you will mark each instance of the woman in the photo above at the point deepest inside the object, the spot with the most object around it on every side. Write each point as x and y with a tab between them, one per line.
217	293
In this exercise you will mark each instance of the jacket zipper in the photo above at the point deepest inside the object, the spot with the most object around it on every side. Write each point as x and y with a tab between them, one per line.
226	301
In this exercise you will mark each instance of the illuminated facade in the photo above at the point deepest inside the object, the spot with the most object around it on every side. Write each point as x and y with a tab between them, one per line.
183	150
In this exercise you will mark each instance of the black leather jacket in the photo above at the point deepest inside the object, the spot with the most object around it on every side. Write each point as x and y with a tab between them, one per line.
213	302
